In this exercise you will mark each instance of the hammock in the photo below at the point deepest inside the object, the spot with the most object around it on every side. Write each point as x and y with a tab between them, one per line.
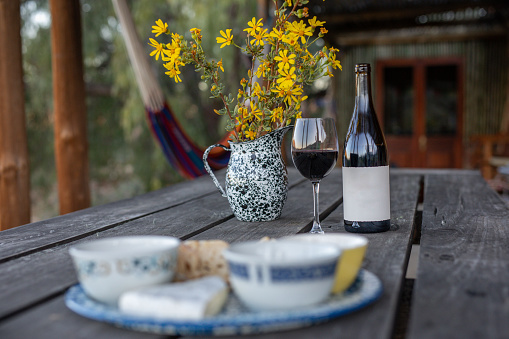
178	148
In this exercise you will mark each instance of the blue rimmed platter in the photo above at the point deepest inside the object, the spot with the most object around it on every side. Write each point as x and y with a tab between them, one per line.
234	319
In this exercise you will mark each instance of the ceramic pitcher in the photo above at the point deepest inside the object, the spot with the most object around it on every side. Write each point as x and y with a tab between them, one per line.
256	177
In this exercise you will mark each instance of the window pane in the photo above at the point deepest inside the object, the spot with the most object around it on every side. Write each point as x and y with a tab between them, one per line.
399	101
441	100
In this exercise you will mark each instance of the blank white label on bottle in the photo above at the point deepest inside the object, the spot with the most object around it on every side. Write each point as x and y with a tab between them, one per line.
366	193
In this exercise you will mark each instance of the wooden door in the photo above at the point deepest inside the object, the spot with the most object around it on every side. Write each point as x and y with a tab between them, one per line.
420	107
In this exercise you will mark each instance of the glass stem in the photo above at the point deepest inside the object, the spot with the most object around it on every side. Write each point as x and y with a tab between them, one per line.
316	222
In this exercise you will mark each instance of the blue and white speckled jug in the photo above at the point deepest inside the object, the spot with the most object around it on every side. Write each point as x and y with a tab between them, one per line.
256	178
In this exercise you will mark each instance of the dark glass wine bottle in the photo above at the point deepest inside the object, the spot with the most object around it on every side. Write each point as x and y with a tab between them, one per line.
366	195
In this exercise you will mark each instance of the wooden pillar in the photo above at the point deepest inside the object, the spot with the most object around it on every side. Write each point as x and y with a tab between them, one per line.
14	169
71	146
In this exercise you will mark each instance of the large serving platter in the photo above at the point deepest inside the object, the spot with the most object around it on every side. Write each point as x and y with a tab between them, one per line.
234	319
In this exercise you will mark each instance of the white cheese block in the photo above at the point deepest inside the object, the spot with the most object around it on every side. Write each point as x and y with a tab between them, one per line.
192	299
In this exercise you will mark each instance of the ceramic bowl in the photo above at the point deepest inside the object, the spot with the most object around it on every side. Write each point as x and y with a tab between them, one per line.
281	275
108	267
353	248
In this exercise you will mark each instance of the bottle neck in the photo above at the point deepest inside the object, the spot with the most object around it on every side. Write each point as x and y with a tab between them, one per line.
363	99
363	85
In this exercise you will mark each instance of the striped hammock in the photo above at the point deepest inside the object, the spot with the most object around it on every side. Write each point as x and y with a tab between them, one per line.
178	148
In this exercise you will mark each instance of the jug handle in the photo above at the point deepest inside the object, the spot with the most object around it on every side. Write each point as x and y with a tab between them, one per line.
209	170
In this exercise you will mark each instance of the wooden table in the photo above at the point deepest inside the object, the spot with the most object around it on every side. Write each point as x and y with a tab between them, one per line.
461	289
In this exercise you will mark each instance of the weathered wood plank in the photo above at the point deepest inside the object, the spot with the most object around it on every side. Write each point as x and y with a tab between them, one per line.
54	320
387	257
46	233
461	290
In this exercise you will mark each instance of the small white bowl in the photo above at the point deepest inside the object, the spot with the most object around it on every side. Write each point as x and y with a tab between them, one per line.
353	248
108	267
281	275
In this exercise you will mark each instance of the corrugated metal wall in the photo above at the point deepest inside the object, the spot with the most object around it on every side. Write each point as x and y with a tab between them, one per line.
485	72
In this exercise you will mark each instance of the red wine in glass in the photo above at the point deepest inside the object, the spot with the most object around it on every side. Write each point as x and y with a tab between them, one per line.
314	164
314	154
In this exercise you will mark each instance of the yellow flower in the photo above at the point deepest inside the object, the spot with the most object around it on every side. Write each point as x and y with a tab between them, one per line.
288	92
220	64
160	28
323	30
196	34
172	52
291	39
255	111
315	23
284	59
175	37
250	134
277	114
276	34
300	29
262	70
287	76
226	38
291	94
254	26
335	63
172	72
256	90
158	48
259	36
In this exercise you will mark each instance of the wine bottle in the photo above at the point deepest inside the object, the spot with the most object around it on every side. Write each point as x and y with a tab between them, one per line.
366	194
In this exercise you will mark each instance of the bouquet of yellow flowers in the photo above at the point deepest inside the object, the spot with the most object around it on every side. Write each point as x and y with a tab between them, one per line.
271	96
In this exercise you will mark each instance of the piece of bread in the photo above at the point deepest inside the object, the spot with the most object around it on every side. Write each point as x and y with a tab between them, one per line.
201	258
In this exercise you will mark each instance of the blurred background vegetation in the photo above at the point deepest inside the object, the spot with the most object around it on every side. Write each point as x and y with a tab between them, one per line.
124	158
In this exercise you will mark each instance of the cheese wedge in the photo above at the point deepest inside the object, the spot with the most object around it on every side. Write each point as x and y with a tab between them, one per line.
190	300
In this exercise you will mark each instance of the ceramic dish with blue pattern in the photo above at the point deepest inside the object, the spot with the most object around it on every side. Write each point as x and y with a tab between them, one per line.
235	318
277	275
108	267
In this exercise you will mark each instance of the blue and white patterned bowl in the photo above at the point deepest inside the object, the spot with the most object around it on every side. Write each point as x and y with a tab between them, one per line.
108	267
281	275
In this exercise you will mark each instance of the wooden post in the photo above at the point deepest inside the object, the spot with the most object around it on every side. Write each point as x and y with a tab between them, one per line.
71	146
14	169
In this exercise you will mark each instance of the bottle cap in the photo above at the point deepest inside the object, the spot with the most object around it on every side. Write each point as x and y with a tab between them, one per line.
362	68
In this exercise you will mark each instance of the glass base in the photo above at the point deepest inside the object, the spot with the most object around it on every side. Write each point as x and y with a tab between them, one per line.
367	226
317	230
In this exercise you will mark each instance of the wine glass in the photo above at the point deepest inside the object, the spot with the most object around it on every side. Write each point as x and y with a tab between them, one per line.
314	154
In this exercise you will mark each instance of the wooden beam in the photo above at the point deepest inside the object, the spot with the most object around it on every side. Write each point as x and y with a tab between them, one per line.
71	145
411	12
14	168
420	35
